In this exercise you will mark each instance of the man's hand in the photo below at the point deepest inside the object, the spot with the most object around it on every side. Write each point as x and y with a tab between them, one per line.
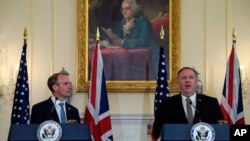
128	26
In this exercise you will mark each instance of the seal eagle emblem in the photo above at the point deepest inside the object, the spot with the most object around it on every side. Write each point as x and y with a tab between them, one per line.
202	131
49	131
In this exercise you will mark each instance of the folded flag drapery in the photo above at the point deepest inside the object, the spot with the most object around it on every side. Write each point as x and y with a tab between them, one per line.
97	114
231	101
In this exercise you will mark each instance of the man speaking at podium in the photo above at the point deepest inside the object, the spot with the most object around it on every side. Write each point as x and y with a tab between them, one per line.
56	108
188	106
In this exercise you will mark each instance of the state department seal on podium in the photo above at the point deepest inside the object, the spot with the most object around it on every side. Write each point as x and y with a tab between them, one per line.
202	132
49	131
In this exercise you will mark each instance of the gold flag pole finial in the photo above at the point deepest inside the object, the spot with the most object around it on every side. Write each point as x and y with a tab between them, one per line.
97	34
234	35
25	34
64	71
162	33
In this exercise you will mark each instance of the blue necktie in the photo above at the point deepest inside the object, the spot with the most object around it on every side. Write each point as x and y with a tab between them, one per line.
62	113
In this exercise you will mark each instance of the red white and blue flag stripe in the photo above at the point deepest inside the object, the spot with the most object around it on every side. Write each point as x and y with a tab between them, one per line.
97	114
231	102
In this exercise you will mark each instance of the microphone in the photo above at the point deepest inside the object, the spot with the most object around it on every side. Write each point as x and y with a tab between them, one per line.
199	114
52	109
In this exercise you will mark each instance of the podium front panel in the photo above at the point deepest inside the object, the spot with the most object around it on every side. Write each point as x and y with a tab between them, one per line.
182	132
76	132
23	132
28	132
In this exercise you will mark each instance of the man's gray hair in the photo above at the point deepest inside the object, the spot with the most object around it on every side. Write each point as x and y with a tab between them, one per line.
135	7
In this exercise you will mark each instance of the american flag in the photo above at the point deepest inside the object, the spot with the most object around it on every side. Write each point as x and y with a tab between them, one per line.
231	101
97	114
162	91
20	109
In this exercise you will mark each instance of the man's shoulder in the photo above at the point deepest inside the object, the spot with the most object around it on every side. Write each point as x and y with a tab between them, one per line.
142	19
71	106
172	98
206	97
175	96
44	102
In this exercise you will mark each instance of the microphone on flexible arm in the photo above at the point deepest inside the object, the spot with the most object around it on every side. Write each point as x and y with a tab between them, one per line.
52	109
199	114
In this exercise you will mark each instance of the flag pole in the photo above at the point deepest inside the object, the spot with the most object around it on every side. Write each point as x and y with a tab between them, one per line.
162	33
97	34
231	101
20	108
234	36
161	91
25	34
97	114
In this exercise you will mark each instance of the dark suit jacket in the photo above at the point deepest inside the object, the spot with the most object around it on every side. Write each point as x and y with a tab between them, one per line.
44	111
171	111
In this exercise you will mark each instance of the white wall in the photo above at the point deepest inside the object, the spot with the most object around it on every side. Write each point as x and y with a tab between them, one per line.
206	28
14	16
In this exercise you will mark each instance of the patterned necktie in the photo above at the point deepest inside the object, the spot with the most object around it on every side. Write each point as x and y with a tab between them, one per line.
62	113
189	111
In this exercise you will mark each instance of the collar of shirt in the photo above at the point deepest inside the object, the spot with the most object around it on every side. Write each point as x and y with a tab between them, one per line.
57	106
53	98
193	99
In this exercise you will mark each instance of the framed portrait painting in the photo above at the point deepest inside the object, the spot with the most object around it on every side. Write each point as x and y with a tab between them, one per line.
129	42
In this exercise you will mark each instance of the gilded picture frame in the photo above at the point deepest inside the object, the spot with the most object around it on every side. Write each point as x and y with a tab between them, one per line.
82	84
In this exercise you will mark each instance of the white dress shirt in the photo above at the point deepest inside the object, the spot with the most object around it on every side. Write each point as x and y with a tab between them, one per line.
184	102
58	107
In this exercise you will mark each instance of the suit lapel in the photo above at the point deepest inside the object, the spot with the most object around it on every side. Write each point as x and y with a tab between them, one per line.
198	107
71	115
182	113
199	102
54	115
68	110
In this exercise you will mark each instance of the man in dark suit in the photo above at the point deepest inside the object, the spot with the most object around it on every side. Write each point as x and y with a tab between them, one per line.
175	108
56	108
